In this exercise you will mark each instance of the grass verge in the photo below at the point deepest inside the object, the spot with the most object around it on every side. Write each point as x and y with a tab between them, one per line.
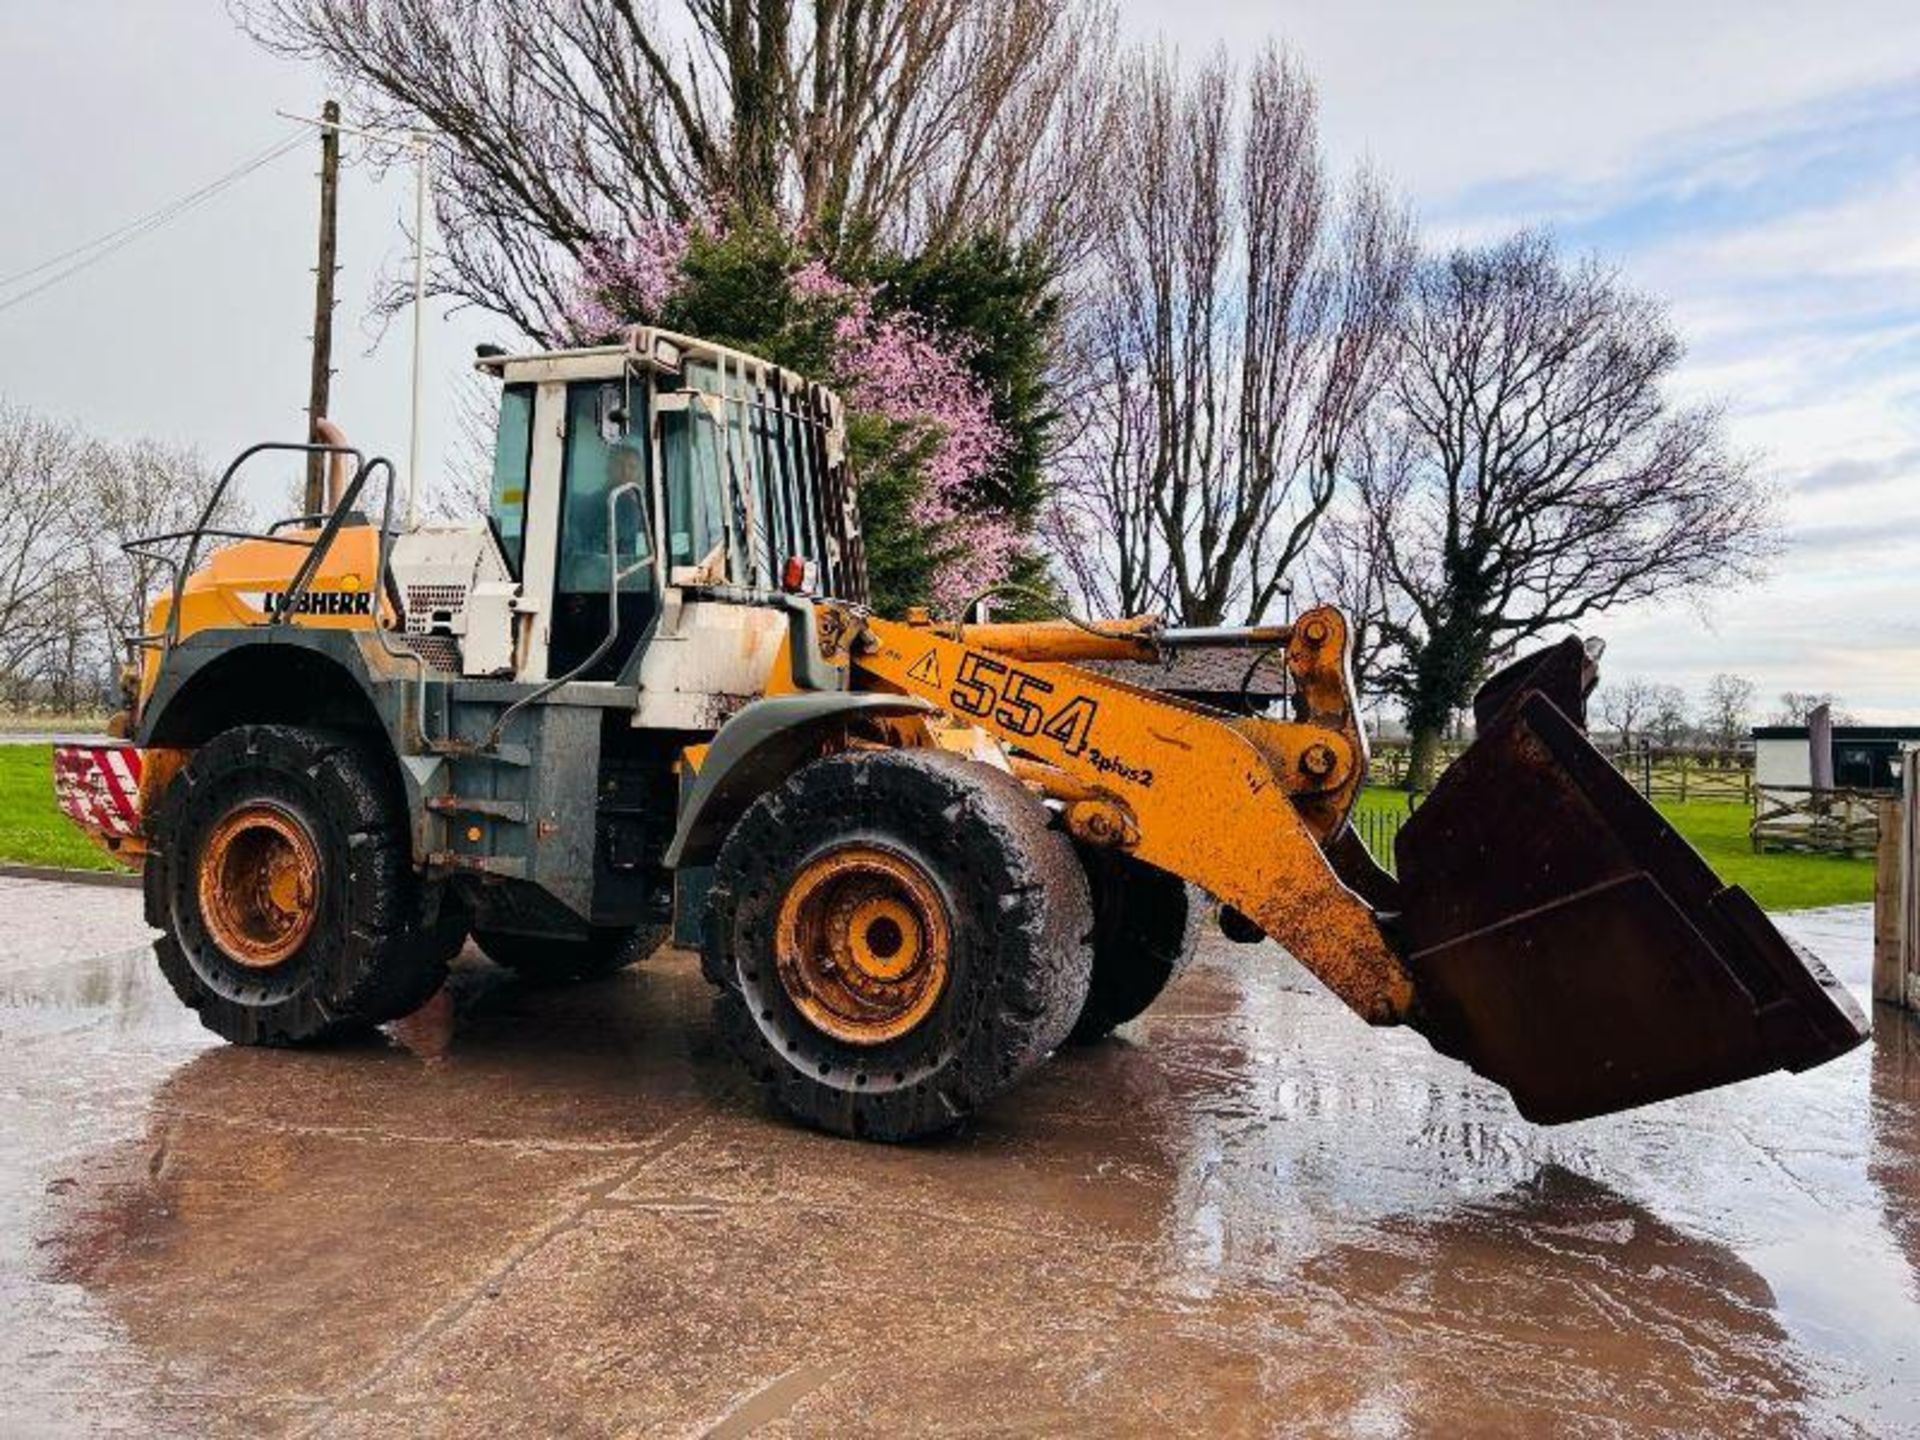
32	829
1782	880
1718	830
52	722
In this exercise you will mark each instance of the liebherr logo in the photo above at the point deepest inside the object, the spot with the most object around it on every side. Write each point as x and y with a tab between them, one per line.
314	602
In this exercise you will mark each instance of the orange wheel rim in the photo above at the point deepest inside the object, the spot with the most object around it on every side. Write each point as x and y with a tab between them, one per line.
259	885
862	944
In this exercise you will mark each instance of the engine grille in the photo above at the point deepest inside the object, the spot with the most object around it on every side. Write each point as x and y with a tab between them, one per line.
423	601
441	652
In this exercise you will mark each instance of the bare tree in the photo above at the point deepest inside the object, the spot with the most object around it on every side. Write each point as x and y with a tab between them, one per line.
1797	707
1667	719
1626	705
40	519
68	593
1726	710
1236	326
1552	479
1347	563
462	488
1345	570
574	125
140	488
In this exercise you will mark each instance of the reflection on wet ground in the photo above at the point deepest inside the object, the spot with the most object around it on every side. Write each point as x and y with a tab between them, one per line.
560	1210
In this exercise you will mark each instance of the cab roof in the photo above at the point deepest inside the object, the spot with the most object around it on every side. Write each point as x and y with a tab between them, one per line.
664	352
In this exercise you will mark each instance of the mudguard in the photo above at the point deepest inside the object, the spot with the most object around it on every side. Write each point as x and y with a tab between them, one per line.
757	749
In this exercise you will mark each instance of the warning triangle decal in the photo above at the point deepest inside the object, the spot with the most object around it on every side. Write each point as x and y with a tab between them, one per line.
926	670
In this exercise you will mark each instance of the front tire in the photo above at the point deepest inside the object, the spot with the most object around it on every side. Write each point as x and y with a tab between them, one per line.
280	877
897	937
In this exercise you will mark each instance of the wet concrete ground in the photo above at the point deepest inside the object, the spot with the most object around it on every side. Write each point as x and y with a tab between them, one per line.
541	1211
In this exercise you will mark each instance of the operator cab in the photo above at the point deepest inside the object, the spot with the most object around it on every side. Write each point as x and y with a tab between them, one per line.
602	449
669	472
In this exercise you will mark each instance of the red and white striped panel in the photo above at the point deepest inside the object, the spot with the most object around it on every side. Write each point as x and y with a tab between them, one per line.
98	786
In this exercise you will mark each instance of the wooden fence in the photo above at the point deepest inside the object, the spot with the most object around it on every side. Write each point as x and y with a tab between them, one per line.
1388	763
1673	774
1657	772
1830	822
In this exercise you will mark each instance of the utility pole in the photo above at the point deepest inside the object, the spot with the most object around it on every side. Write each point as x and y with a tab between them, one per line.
322	378
421	143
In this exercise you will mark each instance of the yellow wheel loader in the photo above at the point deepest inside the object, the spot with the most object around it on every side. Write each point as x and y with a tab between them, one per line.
918	855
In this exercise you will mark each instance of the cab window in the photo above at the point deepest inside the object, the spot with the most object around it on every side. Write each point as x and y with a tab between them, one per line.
512	460
695	486
606	448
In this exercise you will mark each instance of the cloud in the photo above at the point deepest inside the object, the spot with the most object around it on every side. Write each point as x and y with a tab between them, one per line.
1859	640
1869	234
1467	96
1728	169
1849	474
1849	539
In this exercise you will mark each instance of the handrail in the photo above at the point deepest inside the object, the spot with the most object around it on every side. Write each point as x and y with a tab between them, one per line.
317	547
383	555
137	546
319	517
200	529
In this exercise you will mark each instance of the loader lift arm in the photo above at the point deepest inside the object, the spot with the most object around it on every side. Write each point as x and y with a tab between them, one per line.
1238	805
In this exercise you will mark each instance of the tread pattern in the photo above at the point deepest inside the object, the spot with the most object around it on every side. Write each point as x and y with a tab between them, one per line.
381	943
1021	921
1146	927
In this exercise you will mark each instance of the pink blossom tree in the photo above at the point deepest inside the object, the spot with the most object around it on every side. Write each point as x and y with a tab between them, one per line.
905	369
892	366
620	281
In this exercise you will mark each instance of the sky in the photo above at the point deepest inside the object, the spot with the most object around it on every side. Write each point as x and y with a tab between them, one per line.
1756	165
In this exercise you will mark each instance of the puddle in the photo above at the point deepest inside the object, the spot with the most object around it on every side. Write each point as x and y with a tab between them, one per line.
1250	1212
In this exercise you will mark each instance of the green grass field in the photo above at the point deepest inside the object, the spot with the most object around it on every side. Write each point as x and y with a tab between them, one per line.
1779	881
33	832
1718	830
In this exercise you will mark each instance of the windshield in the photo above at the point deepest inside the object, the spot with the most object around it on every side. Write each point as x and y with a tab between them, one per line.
746	476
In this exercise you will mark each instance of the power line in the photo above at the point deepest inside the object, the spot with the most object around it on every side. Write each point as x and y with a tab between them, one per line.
162	214
99	248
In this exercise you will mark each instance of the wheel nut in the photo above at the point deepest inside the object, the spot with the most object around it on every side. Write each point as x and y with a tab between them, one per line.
1318	761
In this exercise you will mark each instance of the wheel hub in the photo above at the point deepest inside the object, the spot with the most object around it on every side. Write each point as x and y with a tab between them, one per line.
258	885
862	944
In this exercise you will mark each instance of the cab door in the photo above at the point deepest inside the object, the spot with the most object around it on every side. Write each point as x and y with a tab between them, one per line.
603	447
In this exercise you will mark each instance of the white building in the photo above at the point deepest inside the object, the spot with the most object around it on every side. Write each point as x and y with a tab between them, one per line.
1865	757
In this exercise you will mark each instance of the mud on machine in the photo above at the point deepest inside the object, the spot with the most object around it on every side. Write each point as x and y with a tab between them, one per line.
919	855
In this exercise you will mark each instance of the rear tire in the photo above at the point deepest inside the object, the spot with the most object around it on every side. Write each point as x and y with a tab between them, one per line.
1146	924
971	965
280	876
544	960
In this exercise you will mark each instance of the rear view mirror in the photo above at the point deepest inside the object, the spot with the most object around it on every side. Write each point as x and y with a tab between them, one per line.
610	413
